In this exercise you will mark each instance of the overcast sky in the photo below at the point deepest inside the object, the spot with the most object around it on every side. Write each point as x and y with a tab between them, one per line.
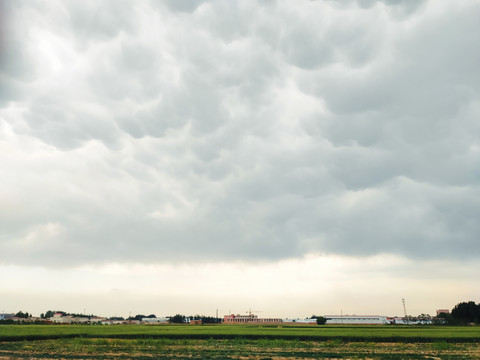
183	156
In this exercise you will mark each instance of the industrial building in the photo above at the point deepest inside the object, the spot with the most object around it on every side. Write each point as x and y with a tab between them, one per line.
155	320
331	320
249	319
356	319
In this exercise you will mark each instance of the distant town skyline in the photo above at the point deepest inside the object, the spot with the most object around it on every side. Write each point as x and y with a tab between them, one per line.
292	157
60	317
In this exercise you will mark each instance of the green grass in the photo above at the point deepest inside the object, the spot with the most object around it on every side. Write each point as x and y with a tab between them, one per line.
238	348
348	333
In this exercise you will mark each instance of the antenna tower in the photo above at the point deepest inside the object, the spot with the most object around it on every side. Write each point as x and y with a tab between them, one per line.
404	310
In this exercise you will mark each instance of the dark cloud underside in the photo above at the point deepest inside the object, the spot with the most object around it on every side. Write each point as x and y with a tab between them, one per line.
147	131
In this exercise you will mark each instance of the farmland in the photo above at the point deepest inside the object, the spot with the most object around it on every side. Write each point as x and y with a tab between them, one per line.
238	342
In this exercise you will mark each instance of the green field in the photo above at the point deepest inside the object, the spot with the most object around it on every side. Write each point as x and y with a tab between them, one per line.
237	342
380	333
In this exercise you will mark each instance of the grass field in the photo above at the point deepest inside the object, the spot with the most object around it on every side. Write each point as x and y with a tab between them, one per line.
237	342
376	333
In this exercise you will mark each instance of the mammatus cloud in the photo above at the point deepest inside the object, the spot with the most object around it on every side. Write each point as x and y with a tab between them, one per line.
144	131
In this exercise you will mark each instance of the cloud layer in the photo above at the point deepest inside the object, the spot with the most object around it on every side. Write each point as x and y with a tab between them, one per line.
172	131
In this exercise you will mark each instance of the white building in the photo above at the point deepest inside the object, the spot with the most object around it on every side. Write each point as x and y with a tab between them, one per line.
249	319
6	316
396	320
59	319
154	320
410	321
113	322
356	319
97	319
81	320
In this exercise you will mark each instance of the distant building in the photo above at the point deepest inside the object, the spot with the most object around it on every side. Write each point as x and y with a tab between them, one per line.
396	320
63	319
114	322
80	320
32	319
356	319
154	320
97	319
409	320
131	322
249	319
57	318
6	316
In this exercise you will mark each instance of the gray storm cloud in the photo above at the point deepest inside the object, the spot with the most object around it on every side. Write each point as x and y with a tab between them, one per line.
146	131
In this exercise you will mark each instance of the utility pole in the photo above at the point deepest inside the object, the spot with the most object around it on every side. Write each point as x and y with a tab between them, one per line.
405	310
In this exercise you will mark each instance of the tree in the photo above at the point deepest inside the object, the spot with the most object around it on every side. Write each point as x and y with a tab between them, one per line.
320	319
443	319
81	315
177	319
410	319
210	320
50	314
466	312
22	315
424	318
47	315
205	319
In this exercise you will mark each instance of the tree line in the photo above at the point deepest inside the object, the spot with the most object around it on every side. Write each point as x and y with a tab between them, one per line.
182	319
48	314
463	313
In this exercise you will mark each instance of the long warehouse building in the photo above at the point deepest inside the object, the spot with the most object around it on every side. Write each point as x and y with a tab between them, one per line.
356	319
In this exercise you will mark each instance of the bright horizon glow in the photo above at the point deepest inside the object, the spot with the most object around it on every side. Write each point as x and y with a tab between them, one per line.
291	288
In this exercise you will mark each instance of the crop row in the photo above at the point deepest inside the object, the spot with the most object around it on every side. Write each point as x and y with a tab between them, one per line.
10	333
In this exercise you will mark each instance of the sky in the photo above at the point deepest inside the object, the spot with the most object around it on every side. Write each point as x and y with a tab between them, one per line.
284	157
